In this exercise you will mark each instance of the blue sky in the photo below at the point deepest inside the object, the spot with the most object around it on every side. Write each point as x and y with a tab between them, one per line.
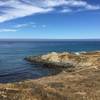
50	19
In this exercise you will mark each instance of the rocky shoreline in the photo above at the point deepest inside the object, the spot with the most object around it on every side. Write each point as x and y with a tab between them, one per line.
79	79
65	60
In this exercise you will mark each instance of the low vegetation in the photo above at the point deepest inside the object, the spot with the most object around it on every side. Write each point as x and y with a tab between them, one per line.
81	83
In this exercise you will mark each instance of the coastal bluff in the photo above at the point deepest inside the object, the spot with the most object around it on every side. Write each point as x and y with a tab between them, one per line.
78	79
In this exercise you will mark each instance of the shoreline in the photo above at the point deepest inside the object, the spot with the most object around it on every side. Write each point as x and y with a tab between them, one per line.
82	83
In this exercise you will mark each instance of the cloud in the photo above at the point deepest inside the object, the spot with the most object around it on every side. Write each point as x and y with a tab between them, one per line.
29	24
21	25
92	7
12	9
70	3
44	26
24	25
53	3
66	10
34	26
17	9
8	30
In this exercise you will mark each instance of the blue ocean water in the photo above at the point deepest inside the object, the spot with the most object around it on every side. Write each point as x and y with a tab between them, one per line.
14	68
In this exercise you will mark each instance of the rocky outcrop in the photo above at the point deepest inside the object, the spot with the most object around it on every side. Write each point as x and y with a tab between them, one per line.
67	60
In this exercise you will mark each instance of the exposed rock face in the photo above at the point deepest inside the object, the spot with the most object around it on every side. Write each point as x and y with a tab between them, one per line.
57	57
65	59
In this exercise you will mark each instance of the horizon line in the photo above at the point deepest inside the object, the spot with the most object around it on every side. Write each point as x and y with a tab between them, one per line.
45	39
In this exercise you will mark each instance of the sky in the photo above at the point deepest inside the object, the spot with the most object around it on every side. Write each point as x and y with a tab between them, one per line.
50	19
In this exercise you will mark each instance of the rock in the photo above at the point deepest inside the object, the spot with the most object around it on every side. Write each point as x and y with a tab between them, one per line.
52	57
66	60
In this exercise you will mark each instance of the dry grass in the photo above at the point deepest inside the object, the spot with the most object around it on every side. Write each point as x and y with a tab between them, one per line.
80	84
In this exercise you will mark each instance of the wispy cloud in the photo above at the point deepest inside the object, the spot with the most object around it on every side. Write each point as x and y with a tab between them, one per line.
91	7
21	25
34	26
29	25
17	9
44	26
66	10
7	30
18	27
12	9
25	25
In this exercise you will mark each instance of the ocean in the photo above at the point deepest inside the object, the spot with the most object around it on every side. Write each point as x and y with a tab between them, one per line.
14	68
